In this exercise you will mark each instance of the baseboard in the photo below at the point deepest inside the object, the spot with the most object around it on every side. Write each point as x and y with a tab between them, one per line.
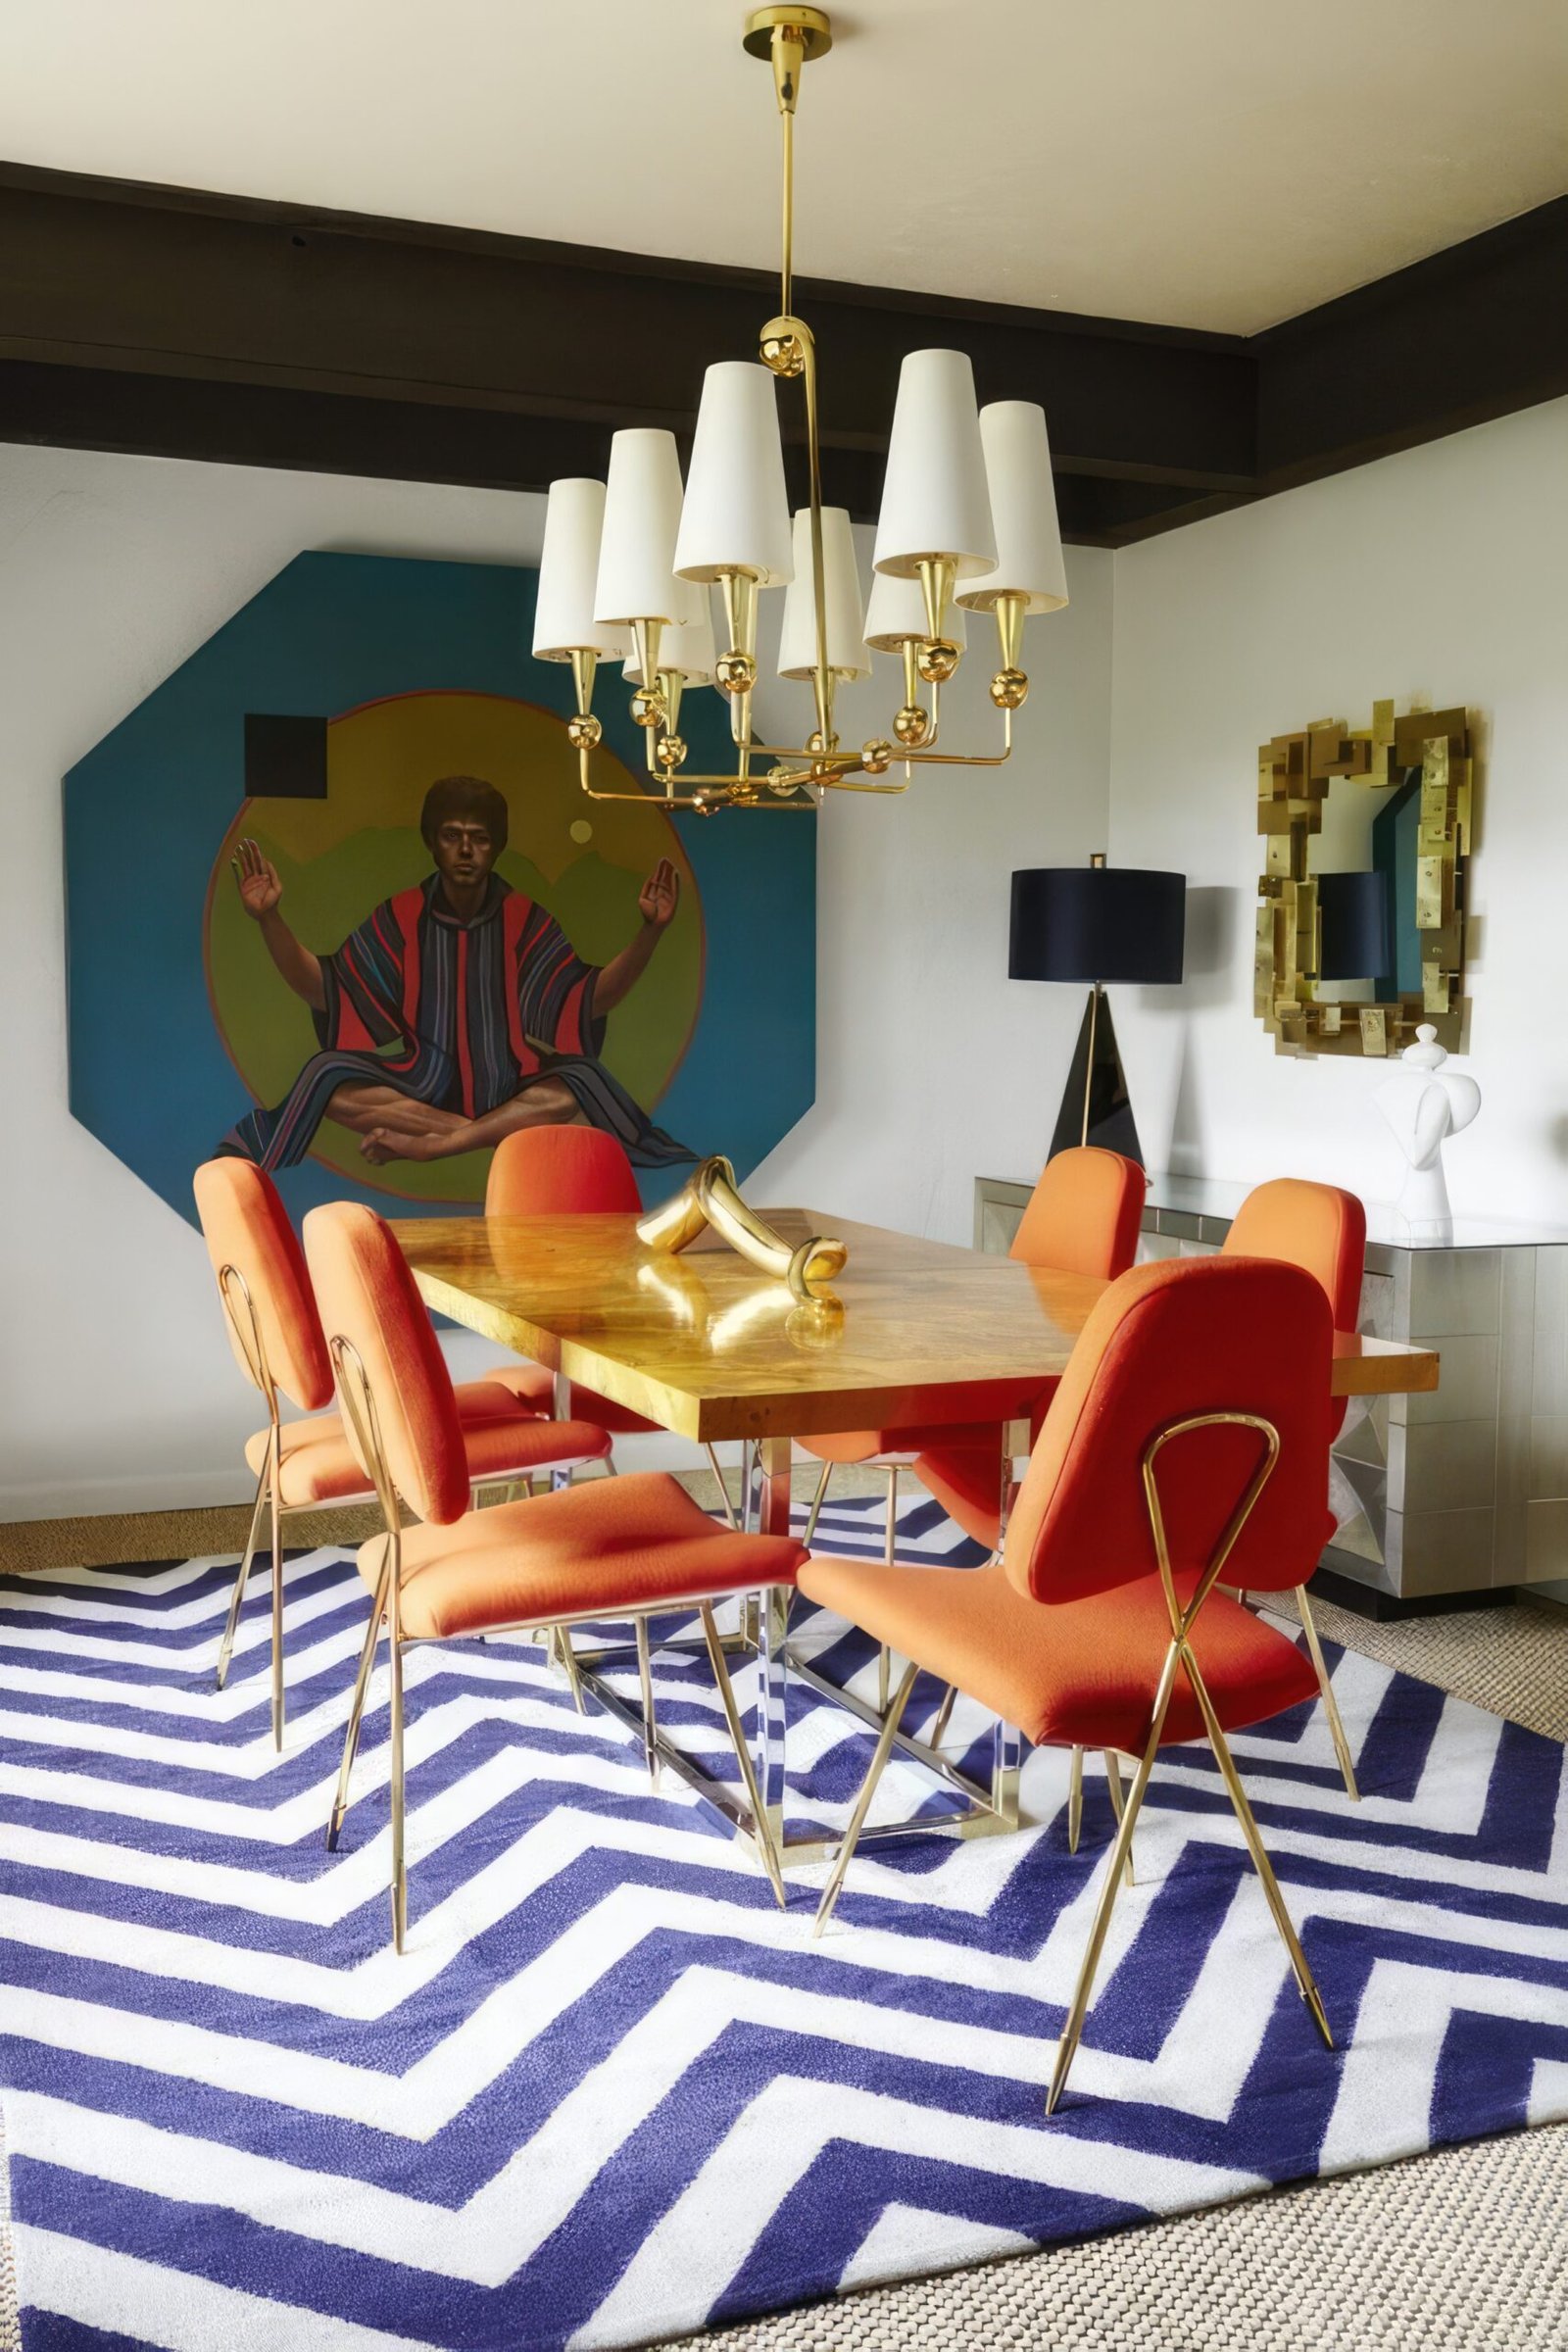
1389	1609
209	1489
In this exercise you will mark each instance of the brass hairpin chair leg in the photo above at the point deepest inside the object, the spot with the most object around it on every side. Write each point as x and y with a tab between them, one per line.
1180	1653
226	1646
1073	2025
568	1660
711	1452
863	1803
763	1827
362	1684
1331	1705
817	1500
1075	1799
944	1715
273	1469
890	1560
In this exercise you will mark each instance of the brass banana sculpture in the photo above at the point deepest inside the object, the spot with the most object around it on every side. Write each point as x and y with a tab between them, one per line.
709	1197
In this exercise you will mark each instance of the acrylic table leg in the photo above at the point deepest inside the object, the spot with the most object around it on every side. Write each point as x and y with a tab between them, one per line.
774	1456
561	1410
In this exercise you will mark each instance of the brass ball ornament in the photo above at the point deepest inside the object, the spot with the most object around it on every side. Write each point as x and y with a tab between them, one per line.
648	706
584	732
877	756
937	660
735	673
1010	689
912	726
670	751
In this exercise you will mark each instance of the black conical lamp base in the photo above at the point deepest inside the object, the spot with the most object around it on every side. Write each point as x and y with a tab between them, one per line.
1095	1108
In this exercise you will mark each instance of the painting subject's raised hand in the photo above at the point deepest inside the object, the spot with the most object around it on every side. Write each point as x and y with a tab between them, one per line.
260	889
659	894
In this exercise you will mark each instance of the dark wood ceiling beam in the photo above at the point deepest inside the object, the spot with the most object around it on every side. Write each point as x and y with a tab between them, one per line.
1468	334
228	423
186	289
185	324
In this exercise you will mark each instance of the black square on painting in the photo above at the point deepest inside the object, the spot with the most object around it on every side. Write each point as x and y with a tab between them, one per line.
285	758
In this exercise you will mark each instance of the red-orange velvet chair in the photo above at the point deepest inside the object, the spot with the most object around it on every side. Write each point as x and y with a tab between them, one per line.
1323	1231
276	1336
625	1547
1188	1438
558	1172
1083	1218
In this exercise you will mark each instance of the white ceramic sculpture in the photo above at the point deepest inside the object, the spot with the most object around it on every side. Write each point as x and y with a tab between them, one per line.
1424	1103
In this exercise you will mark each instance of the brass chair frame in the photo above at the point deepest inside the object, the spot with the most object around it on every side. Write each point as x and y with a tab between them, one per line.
240	1309
1179	1654
357	1402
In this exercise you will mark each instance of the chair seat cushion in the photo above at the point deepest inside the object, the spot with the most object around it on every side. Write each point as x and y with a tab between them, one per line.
534	1386
1079	1674
502	1440
614	1544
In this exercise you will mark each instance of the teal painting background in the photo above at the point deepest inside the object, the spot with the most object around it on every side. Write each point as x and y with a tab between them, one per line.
146	810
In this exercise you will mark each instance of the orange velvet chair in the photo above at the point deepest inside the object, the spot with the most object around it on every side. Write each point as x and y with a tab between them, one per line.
1083	1218
1323	1231
558	1172
1188	1438
627	1548
310	1465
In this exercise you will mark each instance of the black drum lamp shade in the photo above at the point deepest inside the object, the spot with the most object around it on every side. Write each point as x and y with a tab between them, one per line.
1096	924
1092	924
1357	930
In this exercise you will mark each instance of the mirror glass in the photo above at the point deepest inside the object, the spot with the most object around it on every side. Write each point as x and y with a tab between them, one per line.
1368	830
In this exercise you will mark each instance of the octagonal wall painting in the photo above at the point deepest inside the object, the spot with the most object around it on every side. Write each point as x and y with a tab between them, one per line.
338	903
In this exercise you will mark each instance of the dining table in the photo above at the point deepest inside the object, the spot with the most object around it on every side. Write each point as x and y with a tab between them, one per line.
705	1346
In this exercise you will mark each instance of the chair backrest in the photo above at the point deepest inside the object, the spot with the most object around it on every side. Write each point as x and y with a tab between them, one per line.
246	1227
555	1172
369	1300
1168	1341
1084	1213
1316	1227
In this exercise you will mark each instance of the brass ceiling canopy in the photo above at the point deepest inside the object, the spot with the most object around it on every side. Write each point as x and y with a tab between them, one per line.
968	523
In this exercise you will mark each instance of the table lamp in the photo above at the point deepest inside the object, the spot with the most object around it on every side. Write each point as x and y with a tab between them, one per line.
1095	923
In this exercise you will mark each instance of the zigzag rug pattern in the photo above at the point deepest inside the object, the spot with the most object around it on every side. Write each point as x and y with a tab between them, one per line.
610	2092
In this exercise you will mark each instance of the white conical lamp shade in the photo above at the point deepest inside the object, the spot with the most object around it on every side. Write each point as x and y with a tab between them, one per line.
841	580
934	496
636	578
687	645
564	621
896	613
736	517
1023	507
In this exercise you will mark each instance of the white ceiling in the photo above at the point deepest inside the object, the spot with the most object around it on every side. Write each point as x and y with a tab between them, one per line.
1203	162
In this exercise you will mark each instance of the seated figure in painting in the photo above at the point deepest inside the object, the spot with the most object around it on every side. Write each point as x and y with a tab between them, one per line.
456	1012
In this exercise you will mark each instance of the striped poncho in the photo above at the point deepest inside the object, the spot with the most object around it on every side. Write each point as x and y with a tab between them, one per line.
460	1013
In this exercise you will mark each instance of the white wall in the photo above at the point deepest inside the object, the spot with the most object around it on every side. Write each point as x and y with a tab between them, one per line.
932	1066
1441	572
116	1390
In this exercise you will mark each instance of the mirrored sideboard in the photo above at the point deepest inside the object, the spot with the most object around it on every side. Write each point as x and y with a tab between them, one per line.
1456	1495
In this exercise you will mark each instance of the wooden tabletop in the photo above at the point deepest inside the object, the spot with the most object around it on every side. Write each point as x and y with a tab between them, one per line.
707	1346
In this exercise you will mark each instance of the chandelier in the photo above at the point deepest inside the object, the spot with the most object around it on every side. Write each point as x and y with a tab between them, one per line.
968	523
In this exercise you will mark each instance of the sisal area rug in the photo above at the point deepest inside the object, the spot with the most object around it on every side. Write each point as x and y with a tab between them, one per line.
610	2092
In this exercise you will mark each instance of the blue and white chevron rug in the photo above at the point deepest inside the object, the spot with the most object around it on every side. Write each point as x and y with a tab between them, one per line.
610	2092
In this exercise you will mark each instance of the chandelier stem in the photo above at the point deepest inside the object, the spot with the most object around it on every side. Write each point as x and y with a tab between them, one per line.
787	248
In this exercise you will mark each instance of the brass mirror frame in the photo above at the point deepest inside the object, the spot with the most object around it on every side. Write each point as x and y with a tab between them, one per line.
1293	775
